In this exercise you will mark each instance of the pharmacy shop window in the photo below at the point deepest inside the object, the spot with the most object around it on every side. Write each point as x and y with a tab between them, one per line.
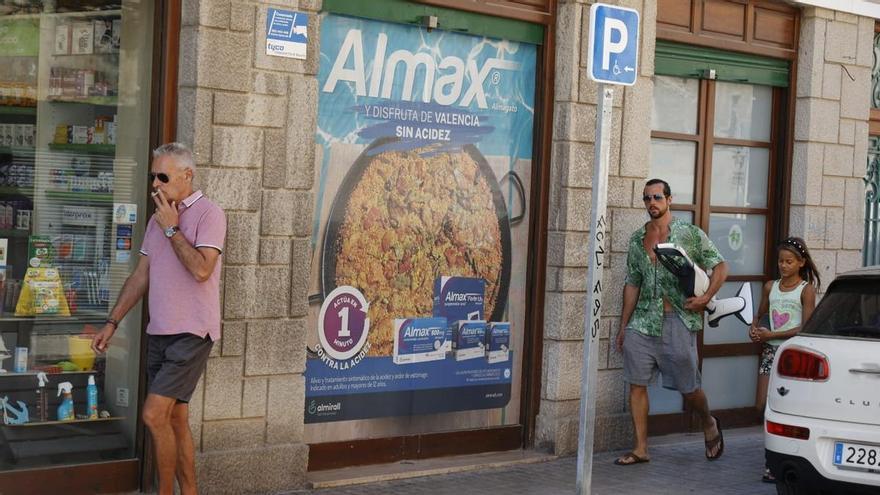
75	86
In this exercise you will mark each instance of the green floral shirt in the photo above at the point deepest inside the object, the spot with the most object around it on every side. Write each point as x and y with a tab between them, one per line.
656	283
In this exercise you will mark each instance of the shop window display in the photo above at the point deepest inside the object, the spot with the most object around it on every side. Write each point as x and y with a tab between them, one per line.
74	116
417	315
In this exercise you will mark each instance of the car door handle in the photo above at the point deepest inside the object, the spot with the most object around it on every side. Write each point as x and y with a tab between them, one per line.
868	371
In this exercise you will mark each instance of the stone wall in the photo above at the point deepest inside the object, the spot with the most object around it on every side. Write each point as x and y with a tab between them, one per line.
569	223
250	119
831	137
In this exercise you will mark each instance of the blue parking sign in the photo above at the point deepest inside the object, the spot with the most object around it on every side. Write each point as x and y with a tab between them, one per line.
286	33
613	55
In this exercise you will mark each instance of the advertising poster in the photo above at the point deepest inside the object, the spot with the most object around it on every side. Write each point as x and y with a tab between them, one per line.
421	231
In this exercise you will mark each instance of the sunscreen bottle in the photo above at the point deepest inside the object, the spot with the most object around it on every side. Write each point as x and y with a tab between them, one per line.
92	394
65	409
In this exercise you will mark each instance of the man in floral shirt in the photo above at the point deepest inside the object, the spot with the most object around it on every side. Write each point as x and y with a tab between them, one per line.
659	324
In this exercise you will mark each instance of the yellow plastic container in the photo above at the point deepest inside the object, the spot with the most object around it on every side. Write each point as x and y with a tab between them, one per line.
81	353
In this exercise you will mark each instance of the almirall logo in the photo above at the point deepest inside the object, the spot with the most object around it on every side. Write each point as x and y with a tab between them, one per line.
443	81
324	407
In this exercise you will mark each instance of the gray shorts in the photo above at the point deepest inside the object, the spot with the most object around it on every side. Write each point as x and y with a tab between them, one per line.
175	363
673	354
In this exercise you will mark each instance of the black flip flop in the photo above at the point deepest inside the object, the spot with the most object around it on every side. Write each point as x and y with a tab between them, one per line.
635	459
715	442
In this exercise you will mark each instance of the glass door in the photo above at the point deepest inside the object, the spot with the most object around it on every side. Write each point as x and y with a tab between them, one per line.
714	143
738	167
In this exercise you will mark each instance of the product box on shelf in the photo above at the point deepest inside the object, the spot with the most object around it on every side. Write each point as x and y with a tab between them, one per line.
497	341
99	135
61	133
62	39
6	215
7	134
23	219
110	130
68	83
418	340
103	36
41	251
20	135
82	36
26	133
469	339
117	34
80	134
459	298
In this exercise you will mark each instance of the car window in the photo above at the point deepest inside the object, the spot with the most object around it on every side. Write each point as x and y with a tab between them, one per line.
851	308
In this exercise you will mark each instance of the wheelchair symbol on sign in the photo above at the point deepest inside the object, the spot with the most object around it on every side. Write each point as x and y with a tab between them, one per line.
616	69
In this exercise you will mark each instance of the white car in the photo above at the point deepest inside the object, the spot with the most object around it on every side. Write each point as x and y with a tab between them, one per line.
822	421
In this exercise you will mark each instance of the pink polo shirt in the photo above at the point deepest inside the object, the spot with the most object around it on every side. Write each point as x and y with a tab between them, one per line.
178	302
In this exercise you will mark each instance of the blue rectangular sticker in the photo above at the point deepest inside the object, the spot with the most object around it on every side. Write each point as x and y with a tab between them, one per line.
286	33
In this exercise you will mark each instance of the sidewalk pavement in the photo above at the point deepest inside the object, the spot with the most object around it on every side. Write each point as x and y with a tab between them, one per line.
678	465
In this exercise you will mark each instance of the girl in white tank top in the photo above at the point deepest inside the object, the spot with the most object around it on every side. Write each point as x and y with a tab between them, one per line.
787	303
786	309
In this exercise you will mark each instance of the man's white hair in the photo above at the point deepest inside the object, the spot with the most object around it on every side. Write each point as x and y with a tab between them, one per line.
183	155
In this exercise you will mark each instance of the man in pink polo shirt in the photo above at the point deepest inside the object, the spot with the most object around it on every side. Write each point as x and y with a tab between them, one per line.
180	270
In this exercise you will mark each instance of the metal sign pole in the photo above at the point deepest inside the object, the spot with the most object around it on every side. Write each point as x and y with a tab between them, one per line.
593	313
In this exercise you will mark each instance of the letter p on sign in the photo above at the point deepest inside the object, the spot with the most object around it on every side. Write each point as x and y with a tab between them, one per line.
613	54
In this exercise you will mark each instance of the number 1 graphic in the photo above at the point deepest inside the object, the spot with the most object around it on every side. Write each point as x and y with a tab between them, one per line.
344	331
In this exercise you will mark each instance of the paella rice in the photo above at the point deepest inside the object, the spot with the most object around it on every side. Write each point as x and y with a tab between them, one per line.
411	218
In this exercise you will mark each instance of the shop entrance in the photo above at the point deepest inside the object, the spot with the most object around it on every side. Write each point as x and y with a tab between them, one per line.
76	128
718	143
728	149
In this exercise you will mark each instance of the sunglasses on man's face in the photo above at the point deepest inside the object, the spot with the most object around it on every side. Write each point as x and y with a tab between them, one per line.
163	178
655	197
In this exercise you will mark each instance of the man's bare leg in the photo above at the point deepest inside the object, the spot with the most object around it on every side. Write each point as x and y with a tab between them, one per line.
638	398
697	401
157	416
186	464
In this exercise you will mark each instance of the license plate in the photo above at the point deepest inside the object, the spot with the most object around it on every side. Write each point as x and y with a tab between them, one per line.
857	456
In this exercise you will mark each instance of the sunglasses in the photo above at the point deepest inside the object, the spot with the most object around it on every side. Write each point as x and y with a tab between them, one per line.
163	178
655	197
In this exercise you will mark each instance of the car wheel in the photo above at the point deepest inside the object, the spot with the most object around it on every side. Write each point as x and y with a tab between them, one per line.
783	488
788	484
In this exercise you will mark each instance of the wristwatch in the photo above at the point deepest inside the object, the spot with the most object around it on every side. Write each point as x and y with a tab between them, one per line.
170	231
